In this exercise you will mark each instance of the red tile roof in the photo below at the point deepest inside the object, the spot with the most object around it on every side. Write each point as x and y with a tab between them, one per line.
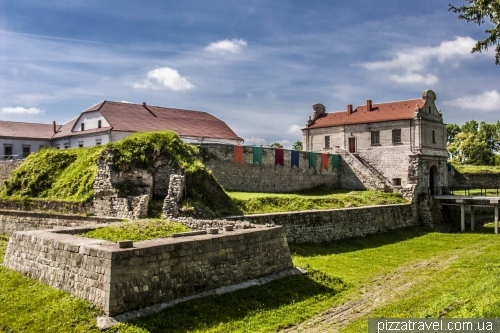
139	118
379	112
26	130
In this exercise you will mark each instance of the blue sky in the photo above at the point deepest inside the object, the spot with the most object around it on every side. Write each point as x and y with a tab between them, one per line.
258	65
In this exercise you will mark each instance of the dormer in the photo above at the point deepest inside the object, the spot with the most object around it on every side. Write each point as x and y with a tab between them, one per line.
90	120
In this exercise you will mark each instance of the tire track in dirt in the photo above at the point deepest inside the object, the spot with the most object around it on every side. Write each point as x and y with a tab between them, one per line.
384	289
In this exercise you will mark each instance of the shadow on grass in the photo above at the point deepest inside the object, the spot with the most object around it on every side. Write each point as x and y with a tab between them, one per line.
358	243
212	311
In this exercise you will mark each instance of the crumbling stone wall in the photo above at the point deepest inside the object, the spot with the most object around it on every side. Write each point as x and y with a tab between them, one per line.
328	225
121	279
475	180
268	177
7	167
65	207
176	188
11	221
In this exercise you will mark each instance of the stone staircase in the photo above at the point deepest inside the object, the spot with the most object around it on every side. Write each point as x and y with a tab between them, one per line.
360	175
378	174
436	216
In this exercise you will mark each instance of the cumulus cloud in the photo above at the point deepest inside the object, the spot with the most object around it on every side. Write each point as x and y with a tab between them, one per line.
415	60
227	46
294	129
21	110
487	101
415	78
164	77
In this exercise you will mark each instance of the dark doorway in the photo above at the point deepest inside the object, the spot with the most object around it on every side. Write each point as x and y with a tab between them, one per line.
434	180
352	145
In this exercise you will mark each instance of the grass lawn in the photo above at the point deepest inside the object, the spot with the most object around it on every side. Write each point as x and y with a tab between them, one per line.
475	191
411	272
254	203
476	168
138	230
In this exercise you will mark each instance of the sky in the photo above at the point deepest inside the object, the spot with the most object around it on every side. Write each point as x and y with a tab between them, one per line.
257	65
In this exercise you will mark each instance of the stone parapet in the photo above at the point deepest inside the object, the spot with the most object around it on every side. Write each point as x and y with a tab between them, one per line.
122	279
317	226
11	221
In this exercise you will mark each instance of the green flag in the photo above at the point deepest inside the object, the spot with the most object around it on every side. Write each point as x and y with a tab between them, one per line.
257	155
312	160
335	161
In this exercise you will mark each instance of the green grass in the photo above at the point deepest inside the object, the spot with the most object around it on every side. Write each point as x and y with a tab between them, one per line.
253	203
55	174
138	230
450	275
475	191
473	169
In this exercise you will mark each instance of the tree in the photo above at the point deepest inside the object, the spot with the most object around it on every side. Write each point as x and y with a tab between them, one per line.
276	145
478	12
297	145
470	126
452	130
468	149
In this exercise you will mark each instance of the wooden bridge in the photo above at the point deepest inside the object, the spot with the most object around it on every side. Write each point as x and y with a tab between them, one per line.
472	201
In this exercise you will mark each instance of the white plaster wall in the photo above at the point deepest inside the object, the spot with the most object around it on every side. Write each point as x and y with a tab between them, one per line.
90	120
88	141
17	145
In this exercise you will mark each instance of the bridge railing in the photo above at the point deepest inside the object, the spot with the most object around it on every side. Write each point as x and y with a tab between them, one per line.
11	157
464	190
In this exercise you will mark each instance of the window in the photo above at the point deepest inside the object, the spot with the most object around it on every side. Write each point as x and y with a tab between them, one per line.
58	146
327	141
80	144
8	151
396	136
396	181
430	109
26	151
43	147
375	138
66	145
433	136
99	123
82	126
97	142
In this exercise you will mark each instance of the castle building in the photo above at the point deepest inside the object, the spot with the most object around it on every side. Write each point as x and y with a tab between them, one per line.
401	143
111	121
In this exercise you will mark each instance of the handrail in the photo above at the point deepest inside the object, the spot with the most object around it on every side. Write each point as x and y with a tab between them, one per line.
11	157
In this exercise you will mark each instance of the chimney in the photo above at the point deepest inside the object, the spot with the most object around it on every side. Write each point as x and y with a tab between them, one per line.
144	104
54	127
349	109
368	105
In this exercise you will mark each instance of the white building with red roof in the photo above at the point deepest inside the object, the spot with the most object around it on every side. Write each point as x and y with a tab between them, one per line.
111	121
386	138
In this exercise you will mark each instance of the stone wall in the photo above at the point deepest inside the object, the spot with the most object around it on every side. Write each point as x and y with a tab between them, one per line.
11	221
7	167
475	180
268	177
65	207
121	279
328	225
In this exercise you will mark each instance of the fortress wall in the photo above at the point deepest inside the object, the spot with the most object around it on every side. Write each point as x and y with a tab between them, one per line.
251	177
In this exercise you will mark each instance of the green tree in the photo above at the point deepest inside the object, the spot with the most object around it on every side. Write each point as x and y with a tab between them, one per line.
470	126
467	148
276	145
490	134
478	12
297	145
452	130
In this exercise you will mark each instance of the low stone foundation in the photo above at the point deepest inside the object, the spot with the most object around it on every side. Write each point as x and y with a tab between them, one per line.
11	221
317	226
122	279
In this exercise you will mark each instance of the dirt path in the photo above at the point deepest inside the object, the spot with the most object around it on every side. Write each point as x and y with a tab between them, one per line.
382	290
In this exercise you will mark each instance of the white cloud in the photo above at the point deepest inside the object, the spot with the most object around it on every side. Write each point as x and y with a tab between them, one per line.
413	61
294	129
416	59
227	46
415	78
487	101
126	102
21	110
164	77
